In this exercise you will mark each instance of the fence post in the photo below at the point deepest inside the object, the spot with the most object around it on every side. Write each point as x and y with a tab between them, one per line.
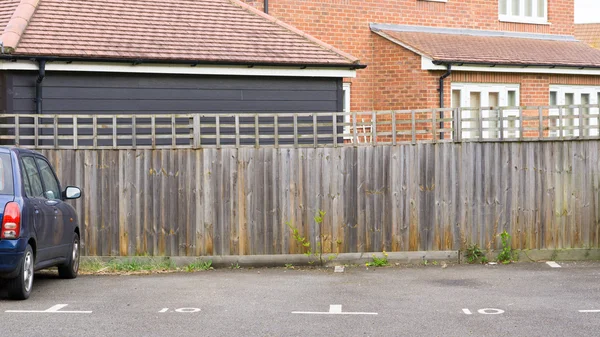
480	123
580	113
218	130
413	130
394	140
95	131
521	126
501	122
276	129
17	126
295	129
75	133
256	131
56	131
335	134
560	123
541	121
433	126
374	128
114	132
458	126
153	130
36	140
237	131
315	131
173	131
355	131
134	131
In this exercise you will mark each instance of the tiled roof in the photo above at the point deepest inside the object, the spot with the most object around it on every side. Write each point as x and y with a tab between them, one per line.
588	33
500	50
220	31
7	8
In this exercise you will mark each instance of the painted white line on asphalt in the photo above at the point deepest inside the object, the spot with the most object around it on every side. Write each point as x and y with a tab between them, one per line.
164	310
490	311
53	310
467	311
553	264
334	309
589	310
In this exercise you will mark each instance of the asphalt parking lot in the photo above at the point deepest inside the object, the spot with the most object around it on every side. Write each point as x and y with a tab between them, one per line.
528	299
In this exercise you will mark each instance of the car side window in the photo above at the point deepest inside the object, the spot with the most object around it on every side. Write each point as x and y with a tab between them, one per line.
36	189
52	190
25	179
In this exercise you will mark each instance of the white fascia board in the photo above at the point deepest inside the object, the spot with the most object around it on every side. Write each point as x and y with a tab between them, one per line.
427	64
182	69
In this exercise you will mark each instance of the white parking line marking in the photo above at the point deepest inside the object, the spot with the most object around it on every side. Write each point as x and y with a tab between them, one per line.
334	309
490	311
164	310
467	311
589	310
53	310
553	264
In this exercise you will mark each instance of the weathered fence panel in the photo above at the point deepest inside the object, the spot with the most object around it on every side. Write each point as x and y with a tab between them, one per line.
230	201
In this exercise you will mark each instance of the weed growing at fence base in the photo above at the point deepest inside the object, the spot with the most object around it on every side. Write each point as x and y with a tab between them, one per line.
473	254
378	261
505	255
317	252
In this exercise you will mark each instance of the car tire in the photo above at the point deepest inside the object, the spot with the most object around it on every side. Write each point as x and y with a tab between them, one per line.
19	288
70	269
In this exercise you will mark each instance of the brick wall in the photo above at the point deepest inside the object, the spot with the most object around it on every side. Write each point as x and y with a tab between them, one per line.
393	79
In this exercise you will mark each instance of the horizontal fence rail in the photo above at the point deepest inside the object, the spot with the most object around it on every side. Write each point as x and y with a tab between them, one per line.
322	129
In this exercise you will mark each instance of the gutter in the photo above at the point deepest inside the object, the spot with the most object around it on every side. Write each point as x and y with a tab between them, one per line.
508	64
38	86
192	63
442	78
266	6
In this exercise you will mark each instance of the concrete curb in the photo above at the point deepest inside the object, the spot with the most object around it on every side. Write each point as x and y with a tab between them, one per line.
451	256
293	259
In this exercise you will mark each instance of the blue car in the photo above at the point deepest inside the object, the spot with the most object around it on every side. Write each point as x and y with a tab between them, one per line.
39	229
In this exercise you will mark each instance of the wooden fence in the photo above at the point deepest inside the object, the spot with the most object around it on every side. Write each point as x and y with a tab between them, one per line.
195	131
232	201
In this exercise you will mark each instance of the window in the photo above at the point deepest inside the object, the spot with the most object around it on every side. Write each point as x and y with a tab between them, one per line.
50	182
487	96
525	11
561	95
35	189
6	179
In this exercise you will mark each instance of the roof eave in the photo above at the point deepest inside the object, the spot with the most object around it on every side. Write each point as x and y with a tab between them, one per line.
191	62
492	64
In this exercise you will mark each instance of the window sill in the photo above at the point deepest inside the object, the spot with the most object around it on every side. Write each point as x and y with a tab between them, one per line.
524	21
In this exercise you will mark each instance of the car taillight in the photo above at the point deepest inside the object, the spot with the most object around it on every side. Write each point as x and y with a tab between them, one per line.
11	223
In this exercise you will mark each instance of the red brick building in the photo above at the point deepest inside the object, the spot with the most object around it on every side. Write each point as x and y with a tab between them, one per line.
500	52
588	33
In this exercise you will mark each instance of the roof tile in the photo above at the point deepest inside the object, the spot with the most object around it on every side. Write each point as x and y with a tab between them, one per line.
200	30
588	33
463	48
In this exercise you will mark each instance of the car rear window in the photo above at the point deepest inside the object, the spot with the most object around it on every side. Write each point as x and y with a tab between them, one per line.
6	177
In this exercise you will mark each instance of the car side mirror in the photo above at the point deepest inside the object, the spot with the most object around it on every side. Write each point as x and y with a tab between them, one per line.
72	192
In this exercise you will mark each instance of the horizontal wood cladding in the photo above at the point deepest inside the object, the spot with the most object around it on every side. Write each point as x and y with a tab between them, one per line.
93	93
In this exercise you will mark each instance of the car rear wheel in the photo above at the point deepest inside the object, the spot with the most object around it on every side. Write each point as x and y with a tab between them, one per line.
19	288
70	269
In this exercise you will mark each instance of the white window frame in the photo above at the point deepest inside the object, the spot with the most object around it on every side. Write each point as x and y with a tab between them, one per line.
485	88
577	91
534	19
